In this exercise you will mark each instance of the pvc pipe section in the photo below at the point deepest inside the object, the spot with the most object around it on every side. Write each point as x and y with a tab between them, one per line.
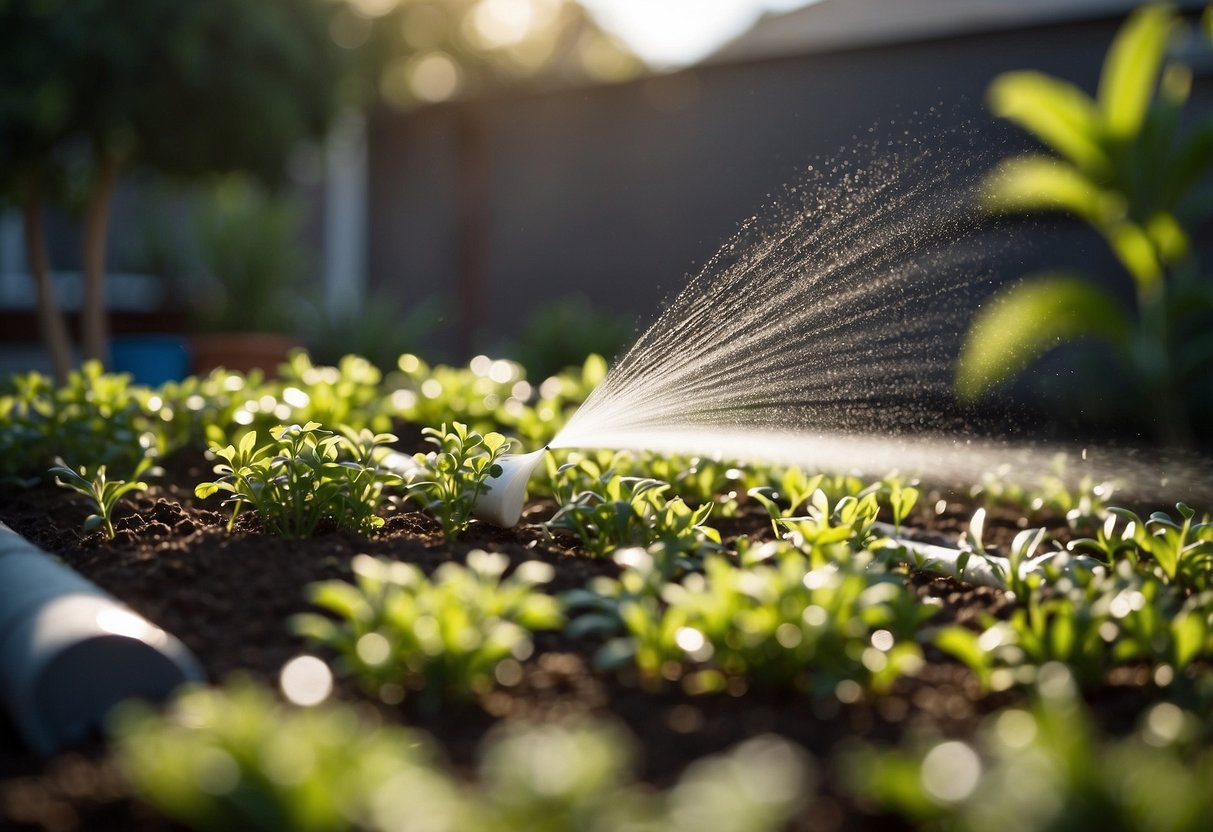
69	652
984	570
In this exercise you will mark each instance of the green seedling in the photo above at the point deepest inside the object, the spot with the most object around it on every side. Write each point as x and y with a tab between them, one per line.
454	476
1182	552
235	758
620	512
445	637
102	492
830	630
304	477
1091	622
1045	767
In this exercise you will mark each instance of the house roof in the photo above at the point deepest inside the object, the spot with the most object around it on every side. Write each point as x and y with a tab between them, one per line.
828	25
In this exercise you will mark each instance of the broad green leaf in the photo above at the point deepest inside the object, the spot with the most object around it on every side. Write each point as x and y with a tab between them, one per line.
248	442
1057	112
1131	69
1028	320
205	489
1042	183
1168	237
1137	254
1190	633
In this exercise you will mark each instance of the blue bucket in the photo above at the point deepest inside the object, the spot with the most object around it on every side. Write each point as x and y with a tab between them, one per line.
151	360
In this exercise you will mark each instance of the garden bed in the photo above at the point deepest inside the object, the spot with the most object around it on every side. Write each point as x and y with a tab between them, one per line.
227	596
804	620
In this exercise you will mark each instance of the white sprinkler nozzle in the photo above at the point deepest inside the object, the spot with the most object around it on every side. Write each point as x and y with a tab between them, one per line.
502	504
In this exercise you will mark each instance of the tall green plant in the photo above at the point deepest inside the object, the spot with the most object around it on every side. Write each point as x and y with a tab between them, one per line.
1123	163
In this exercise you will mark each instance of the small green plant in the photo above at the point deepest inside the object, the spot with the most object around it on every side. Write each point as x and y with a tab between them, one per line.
789	496
1129	169
455	475
235	758
446	637
1091	621
1182	552
1045	768
618	512
832	532
831	630
101	491
902	499
304	477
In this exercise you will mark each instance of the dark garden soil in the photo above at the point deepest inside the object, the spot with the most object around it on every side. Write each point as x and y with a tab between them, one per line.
227	597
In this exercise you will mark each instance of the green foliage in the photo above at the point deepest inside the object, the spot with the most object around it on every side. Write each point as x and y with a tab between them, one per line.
1082	500
616	512
565	332
1130	171
377	329
454	476
94	418
1045	768
1182	552
101	491
303	477
233	758
445	637
249	257
836	629
1091	622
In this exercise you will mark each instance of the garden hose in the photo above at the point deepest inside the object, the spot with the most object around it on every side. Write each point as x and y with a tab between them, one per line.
69	652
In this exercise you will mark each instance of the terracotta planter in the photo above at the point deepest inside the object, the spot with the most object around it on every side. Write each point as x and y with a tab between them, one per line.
241	351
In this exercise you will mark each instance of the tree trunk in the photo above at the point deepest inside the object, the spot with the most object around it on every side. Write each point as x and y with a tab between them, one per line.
95	324
473	223
51	324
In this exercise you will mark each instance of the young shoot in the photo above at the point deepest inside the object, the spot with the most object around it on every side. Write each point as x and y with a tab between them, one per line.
456	474
102	492
303	478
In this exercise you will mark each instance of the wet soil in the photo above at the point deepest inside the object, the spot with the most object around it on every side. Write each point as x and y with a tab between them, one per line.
227	596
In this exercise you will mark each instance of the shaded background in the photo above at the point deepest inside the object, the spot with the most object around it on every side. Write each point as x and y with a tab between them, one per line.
466	191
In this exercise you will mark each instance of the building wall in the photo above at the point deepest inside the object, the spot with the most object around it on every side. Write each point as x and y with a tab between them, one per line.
619	192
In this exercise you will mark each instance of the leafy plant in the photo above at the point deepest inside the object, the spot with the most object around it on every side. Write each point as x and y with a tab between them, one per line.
234	758
454	476
564	333
93	417
1091	623
304	477
1182	552
1128	170
620	511
445	636
832	630
1045	768
101	491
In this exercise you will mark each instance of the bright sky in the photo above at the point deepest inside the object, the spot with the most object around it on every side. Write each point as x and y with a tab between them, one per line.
671	33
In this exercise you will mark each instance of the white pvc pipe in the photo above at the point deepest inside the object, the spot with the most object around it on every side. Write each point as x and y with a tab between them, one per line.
69	652
974	568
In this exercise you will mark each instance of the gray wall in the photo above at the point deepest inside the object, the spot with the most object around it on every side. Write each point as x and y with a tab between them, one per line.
618	192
